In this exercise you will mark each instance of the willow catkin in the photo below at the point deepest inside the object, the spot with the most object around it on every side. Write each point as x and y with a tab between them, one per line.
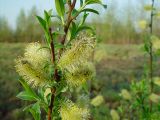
74	61
79	52
77	75
31	66
70	110
31	76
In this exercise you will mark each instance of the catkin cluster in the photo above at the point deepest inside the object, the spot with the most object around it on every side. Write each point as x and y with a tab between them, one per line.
74	64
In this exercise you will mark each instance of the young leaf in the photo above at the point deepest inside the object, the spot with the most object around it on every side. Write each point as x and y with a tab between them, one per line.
74	12
56	16
84	27
65	1
93	2
34	114
59	46
47	37
47	16
27	107
73	30
90	10
83	19
26	96
42	22
36	107
87	2
81	3
60	7
35	111
28	89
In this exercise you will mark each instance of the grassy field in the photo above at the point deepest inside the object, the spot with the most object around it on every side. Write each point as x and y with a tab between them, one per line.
116	66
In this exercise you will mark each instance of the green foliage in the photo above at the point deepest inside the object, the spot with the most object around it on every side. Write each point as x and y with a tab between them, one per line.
142	99
60	7
58	67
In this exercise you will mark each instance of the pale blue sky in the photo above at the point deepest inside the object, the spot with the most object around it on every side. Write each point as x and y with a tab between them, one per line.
11	8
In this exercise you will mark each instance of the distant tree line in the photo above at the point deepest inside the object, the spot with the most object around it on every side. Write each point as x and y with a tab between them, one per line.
27	28
120	24
116	26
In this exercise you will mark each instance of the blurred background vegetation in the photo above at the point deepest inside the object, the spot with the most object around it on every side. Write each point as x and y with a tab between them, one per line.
119	57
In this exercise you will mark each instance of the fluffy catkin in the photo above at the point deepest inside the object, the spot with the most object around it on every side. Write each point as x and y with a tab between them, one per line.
79	52
74	61
31	76
37	55
31	66
77	75
69	111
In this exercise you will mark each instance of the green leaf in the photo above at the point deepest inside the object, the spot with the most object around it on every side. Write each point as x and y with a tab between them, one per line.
83	19
56	34
84	27
60	7
35	111
27	107
61	89
73	30
28	89
42	22
105	6
47	37
81	3
69	34
87	2
93	2
85	87
26	96
74	12
59	18
36	107
47	16
59	46
90	10
64	1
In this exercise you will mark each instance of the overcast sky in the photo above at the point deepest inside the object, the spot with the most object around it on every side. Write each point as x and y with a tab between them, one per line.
11	8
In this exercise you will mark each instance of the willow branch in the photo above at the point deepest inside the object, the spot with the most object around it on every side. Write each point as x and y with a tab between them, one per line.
56	76
69	19
151	54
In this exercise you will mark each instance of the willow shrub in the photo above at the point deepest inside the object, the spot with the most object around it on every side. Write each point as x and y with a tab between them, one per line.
141	102
50	71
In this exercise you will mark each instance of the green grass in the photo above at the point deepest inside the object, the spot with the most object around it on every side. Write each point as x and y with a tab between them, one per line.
8	76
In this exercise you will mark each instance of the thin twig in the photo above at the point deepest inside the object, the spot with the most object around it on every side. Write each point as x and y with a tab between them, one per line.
151	54
69	19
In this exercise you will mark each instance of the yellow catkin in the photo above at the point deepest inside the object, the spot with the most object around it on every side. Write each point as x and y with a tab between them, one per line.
154	98
148	7
98	100
79	52
156	81
31	65
37	55
155	42
79	74
114	115
125	94
70	111
142	24
31	76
